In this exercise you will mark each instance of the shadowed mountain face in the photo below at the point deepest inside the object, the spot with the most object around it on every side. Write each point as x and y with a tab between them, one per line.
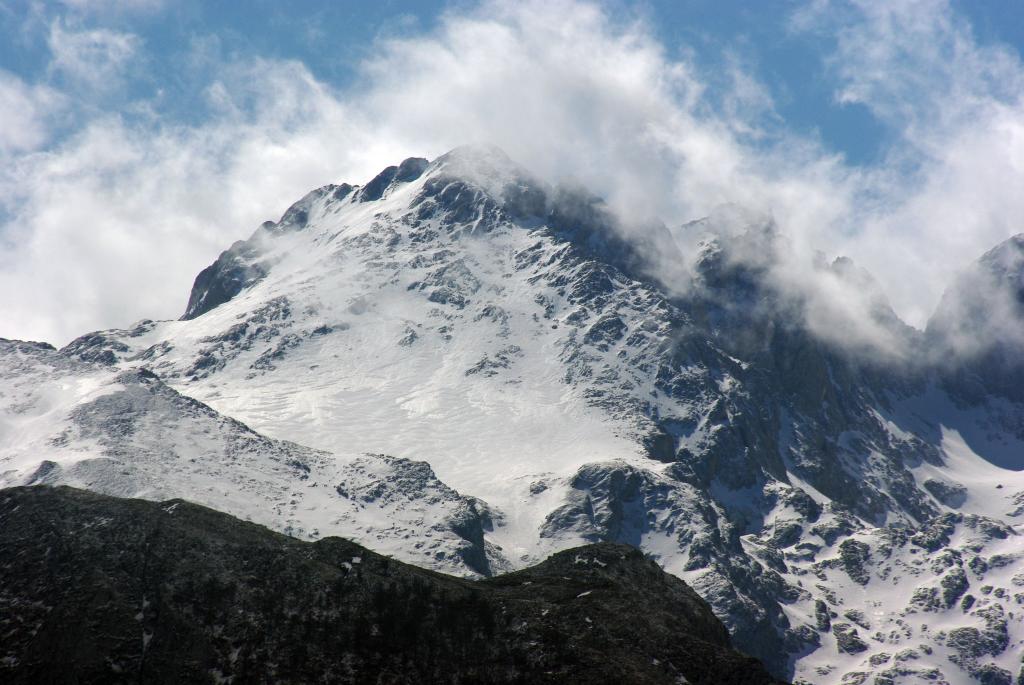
100	589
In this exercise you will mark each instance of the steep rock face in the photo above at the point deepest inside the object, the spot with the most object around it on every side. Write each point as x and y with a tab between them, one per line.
237	268
664	513
99	589
507	333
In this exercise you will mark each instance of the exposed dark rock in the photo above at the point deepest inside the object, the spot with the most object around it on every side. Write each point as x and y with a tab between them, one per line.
236	268
822	616
951	494
29	344
611	502
988	528
786	534
935	535
854	557
858	617
95	347
990	674
847	638
926	599
411	169
954	585
971	644
830	531
407	171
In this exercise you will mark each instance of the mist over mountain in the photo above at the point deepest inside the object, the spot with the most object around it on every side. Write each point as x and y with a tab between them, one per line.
471	369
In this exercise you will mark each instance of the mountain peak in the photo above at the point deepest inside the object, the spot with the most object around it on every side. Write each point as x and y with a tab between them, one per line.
475	154
987	296
465	180
483	165
1005	261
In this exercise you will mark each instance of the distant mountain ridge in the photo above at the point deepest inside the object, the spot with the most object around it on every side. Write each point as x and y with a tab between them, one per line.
518	339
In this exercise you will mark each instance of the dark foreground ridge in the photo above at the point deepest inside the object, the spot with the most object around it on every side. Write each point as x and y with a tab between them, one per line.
101	589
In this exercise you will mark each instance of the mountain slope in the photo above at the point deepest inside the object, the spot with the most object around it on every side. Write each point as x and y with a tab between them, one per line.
126	433
101	589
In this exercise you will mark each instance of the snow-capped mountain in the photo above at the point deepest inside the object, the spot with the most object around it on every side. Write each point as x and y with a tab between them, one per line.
852	519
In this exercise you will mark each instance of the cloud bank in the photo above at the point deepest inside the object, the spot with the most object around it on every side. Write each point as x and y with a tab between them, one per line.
108	215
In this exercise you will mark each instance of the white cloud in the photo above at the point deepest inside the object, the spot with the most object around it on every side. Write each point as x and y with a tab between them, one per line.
101	7
950	188
114	223
118	220
27	113
93	58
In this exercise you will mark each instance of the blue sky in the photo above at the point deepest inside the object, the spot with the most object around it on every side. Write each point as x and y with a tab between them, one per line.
140	137
333	38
